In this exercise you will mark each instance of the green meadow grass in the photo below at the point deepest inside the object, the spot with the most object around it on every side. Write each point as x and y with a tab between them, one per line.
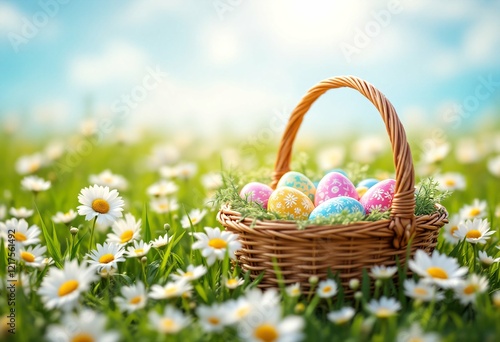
450	319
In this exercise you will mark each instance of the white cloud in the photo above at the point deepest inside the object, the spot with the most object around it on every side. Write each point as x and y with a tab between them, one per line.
10	17
138	12
118	62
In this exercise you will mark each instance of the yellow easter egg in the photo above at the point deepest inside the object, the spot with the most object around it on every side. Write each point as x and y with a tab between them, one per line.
290	203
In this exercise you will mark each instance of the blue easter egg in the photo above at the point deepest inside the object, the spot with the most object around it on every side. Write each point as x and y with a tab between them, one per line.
367	183
335	206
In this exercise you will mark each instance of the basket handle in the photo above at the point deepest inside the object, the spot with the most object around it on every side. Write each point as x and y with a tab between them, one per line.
403	204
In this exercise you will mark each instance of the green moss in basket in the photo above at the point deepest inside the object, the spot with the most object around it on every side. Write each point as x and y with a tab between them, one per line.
427	196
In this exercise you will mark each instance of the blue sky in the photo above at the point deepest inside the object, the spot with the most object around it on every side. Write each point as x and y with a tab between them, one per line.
235	64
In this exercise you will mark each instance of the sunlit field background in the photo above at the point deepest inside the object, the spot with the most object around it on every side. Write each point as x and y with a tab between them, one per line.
159	101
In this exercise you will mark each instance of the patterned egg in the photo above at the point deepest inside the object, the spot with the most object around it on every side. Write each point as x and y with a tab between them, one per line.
298	181
367	183
379	197
257	192
334	184
335	206
290	203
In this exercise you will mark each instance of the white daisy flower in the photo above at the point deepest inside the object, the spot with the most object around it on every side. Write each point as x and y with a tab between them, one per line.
269	325
212	318
29	164
384	307
251	304
421	291
232	283
65	218
437	269
383	272
450	181
476	210
3	211
495	298
100	202
31	256
88	127
192	273
494	166
415	333
164	205
293	290
23	235
212	181
468	151
46	262
125	230
467	290
327	288
21	213
171	322
161	241
172	289
193	218
330	157
341	316
134	297
474	231
139	249
163	188
106	256
435	153
54	150
486	260
35	184
105	273
366	149
186	170
107	178
451	228
61	288
215	244
84	326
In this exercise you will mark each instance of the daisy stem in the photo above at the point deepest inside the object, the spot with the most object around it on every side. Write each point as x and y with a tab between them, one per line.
144	278
92	234
474	257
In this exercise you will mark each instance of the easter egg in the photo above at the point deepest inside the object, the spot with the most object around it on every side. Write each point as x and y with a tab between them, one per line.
379	197
361	190
335	206
334	184
367	183
339	171
256	192
290	203
298	181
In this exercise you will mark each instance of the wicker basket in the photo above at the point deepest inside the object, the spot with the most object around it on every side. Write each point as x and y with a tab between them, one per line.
346	249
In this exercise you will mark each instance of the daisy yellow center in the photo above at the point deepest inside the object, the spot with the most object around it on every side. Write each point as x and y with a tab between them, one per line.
170	291
217	243
139	251
126	236
20	236
100	205
384	313
453	230
188	274
232	282
135	300
213	320
327	289
168	324
470	289
83	337
420	291
473	234
106	258
474	212
437	272
242	312
67	287
415	339
266	333
27	256
450	182
164	206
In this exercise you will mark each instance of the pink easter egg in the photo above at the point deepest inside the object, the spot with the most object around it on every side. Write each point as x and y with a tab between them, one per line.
334	184
257	192
379	197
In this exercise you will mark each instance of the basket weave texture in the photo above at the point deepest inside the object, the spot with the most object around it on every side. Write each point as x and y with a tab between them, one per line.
268	245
